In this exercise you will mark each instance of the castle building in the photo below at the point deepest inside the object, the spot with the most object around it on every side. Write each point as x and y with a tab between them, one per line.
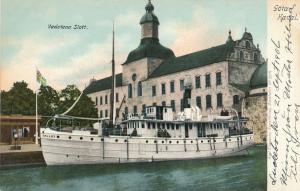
219	76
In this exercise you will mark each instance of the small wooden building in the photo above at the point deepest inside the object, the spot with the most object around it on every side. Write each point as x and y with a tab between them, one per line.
23	126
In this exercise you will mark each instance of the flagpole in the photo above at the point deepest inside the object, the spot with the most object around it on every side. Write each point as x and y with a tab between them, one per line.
36	109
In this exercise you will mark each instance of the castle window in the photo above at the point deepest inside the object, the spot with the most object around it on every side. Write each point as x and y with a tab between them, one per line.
163	89
117	97
96	101
218	78
140	89
106	101
153	91
236	100
126	110
181	85
208	101
207	80
101	100
154	104
197	82
173	105
135	109
106	113
241	55
181	105
172	86
247	44
163	103
219	100
255	58
129	91
198	101
101	113
143	108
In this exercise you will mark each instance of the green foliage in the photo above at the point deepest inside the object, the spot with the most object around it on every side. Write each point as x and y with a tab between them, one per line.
21	100
18	100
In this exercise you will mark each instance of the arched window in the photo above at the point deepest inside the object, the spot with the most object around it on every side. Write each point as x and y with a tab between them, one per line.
241	55
129	91
219	100
247	44
208	101
163	103
140	89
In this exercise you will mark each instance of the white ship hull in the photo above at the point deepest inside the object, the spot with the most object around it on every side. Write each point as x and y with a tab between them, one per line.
61	148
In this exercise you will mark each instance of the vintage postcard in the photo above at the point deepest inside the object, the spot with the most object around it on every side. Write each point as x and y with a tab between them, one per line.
150	95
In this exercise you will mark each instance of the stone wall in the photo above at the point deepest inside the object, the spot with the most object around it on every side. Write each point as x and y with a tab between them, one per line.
255	108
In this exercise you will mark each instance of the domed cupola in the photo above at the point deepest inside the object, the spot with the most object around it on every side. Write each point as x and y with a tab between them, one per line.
149	16
149	46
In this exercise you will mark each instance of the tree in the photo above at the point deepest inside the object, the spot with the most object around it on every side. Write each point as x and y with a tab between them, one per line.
18	100
48	101
85	107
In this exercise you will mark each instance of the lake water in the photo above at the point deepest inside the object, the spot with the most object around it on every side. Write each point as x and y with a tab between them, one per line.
234	173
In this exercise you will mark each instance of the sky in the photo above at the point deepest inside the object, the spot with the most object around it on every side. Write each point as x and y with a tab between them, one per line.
76	56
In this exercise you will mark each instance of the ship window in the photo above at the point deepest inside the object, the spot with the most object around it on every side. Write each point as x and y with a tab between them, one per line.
170	141
177	142
201	141
77	156
214	140
155	141
116	140
57	136
92	139
102	139
177	126
208	141
229	139
191	141
146	141
172	126
81	138
184	141
125	140
67	155
162	142
70	137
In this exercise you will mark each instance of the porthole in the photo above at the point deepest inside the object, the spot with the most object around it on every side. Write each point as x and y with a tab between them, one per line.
191	141
125	140
208	141
170	141
229	139
162	142
201	141
146	141
214	140
77	156
102	139
177	142
116	140
70	137
81	138
238	138
92	139
67	155
184	141
57	136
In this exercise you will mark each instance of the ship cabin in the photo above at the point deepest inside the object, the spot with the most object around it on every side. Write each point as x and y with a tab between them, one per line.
159	121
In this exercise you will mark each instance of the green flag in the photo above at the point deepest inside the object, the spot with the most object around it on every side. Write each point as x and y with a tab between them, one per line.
40	79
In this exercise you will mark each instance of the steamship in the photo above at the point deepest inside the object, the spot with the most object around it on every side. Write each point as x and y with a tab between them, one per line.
156	135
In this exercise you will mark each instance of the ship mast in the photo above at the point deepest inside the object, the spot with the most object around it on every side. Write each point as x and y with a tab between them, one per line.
112	95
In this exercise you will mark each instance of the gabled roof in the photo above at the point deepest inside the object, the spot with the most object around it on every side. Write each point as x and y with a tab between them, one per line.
103	84
197	59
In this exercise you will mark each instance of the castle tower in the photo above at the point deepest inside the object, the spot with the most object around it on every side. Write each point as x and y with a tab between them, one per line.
149	23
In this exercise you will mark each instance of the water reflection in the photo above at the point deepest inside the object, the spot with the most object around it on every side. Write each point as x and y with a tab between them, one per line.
235	173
